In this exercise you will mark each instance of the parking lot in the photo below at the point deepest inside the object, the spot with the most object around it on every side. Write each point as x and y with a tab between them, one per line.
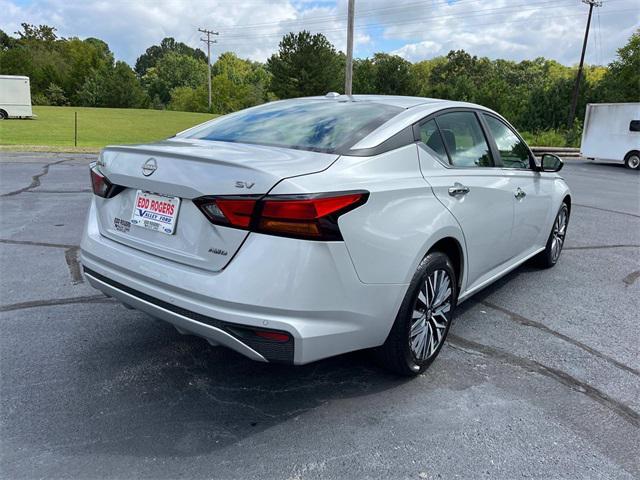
540	377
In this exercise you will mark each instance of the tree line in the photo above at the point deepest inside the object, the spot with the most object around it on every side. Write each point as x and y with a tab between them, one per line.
534	94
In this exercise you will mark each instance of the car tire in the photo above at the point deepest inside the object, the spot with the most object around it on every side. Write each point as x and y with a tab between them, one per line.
423	321
3	115
632	160
551	254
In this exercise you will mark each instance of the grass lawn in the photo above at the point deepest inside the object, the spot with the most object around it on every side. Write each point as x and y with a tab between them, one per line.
97	127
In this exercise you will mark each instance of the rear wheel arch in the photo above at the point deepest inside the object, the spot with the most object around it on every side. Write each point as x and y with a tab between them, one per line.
567	200
452	248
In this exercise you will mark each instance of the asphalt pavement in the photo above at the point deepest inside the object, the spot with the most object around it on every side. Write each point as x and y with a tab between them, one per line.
540	377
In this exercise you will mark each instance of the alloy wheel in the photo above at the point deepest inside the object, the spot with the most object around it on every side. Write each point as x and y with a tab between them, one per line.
558	233
633	162
430	319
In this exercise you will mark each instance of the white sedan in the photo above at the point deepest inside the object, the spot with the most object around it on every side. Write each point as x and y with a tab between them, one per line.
306	228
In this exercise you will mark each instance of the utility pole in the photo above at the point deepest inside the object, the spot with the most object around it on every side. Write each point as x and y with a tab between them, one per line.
576	88
348	74
208	41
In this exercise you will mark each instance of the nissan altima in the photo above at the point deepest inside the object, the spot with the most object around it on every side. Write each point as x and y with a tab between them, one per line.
301	229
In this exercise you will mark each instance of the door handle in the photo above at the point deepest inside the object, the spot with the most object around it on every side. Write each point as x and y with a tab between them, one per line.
520	194
458	189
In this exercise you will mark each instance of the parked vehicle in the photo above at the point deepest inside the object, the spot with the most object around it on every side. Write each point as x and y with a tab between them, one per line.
15	97
612	133
302	229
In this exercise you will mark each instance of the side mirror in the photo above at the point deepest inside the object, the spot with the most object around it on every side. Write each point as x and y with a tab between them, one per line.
551	163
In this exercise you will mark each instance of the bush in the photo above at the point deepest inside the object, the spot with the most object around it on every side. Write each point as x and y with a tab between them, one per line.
574	135
39	99
546	138
187	99
55	95
556	138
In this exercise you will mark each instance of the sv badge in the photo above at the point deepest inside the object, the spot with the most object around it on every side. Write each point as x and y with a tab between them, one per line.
245	184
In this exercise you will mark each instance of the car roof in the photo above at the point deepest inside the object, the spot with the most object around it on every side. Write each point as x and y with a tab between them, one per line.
393	100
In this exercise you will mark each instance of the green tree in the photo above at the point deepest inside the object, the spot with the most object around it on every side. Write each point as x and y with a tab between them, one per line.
174	70
239	83
236	84
421	74
392	75
153	54
364	76
113	87
305	65
38	33
621	82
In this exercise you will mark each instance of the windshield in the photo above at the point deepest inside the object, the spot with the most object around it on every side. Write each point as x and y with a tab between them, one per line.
317	125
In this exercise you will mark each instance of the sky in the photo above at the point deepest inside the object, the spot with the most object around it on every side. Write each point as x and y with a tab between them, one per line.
413	29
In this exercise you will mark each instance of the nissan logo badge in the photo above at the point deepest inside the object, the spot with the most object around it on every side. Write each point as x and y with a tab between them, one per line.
149	167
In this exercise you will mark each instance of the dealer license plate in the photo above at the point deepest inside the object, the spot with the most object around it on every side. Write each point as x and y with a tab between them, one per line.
155	212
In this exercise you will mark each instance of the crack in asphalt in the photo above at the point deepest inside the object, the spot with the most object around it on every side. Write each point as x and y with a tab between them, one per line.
86	190
527	322
600	247
35	180
36	244
70	255
55	301
632	277
619	408
606	210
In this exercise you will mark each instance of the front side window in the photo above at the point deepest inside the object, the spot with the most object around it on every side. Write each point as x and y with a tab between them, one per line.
315	125
464	139
513	151
430	136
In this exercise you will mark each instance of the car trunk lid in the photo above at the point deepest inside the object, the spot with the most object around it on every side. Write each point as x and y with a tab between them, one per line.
188	170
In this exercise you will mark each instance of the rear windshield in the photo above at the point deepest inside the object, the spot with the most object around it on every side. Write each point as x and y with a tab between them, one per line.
317	125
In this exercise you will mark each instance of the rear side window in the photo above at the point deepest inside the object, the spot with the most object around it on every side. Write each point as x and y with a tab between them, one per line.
634	126
316	125
513	151
430	136
464	139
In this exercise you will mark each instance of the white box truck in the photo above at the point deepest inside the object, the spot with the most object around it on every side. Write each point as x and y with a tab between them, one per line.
15	97
611	133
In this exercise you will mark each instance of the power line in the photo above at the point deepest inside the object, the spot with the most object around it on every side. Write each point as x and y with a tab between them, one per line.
331	18
208	41
472	28
430	18
401	8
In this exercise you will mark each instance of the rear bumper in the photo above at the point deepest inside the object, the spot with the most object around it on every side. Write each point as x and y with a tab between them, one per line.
215	330
307	289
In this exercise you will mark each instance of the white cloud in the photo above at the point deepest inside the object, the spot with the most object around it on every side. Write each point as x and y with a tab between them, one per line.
519	30
513	29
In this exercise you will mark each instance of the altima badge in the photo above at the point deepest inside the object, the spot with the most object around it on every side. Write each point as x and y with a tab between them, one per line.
149	167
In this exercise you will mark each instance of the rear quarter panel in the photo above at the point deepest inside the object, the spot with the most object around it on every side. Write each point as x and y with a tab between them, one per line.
389	235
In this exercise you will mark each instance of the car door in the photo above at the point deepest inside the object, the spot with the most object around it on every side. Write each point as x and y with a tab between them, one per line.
532	191
456	160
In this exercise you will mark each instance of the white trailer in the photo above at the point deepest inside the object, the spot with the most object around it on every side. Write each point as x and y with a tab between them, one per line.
15	97
612	133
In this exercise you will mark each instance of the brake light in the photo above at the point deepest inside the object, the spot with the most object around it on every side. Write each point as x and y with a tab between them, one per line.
101	185
312	217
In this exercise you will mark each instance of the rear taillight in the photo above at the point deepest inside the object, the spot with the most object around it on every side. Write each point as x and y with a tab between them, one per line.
312	217
101	185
